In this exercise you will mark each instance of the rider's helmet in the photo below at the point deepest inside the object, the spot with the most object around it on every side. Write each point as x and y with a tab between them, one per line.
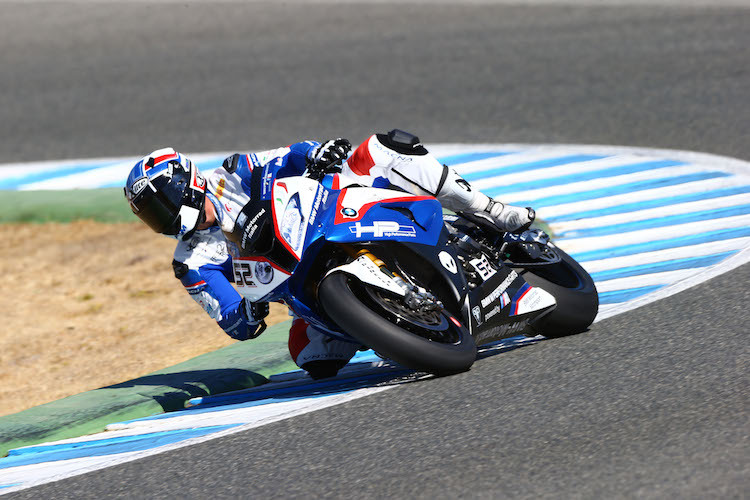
166	191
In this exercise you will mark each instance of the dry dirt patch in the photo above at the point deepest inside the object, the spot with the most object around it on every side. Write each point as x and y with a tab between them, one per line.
89	305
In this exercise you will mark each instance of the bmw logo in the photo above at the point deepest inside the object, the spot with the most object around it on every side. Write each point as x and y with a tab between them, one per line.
349	212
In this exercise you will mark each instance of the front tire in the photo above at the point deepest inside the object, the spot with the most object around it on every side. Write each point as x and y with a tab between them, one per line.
361	318
574	291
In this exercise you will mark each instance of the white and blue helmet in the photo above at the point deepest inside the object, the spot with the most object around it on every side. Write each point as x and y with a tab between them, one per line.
166	191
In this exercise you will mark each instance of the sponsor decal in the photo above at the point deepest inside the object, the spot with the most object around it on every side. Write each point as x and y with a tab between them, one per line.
199	182
529	299
266	183
316	204
504	300
139	185
498	292
390	152
382	228
241	219
506	330
509	328
254	160
464	185
448	262
196	288
373	276
483	267
477	312
251	227
263	272
348	212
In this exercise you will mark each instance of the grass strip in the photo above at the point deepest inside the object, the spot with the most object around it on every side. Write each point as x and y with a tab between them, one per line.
102	205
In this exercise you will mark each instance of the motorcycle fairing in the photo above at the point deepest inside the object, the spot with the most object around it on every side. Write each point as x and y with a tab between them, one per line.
505	305
307	214
365	270
370	214
293	198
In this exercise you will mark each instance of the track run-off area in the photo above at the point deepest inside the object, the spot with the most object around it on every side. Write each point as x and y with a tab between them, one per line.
646	223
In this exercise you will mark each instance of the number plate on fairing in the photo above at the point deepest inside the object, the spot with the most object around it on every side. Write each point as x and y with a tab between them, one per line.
256	277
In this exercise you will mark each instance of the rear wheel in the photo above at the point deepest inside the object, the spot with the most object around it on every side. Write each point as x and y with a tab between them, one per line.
426	340
574	291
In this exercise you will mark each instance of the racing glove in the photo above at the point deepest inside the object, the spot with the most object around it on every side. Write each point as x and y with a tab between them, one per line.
327	158
252	314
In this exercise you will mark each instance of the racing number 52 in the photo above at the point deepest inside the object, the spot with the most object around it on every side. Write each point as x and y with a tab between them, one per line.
243	274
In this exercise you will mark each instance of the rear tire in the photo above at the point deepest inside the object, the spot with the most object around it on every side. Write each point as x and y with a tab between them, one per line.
358	319
574	291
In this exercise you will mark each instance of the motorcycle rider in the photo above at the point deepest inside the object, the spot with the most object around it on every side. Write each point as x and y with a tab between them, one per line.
167	192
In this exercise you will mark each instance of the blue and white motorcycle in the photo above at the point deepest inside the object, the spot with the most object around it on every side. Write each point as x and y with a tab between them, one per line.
390	271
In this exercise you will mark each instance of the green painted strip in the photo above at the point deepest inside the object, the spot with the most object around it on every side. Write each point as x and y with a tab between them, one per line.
102	205
239	366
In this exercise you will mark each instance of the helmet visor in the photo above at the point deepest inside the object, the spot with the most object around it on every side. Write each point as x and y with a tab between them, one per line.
158	212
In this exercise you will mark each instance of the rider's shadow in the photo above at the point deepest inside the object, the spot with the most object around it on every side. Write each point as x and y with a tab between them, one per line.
366	371
171	390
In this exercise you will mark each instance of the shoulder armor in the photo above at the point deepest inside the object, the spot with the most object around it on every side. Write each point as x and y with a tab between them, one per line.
230	164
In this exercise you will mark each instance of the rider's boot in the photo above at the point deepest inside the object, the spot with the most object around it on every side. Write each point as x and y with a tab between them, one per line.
505	217
458	195
324	368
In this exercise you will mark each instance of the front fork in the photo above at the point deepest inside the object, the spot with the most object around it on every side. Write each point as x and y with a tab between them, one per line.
415	297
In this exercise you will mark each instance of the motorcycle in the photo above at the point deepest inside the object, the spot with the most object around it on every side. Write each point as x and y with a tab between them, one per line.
388	270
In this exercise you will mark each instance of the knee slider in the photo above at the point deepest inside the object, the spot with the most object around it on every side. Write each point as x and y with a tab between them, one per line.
324	368
402	142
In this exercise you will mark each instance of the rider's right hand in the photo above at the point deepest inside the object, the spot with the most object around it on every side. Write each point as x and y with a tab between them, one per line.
328	157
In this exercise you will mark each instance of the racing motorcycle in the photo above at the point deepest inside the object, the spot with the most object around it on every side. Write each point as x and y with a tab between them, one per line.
388	270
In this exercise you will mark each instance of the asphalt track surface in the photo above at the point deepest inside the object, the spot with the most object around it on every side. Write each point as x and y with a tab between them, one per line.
651	403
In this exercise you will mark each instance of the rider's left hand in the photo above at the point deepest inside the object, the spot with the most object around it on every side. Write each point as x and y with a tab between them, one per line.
328	157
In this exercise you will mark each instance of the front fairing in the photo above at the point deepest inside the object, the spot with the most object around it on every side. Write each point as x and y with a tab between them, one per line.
361	214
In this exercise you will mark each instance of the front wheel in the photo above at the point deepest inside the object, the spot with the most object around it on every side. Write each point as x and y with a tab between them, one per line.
431	341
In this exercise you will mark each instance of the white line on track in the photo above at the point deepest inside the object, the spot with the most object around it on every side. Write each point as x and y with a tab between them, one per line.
645	195
550	172
652	213
578	245
700	250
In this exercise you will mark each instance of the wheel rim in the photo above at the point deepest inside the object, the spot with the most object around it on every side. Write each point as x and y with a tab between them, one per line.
429	324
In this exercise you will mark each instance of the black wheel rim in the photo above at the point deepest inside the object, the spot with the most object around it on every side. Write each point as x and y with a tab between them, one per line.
432	325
